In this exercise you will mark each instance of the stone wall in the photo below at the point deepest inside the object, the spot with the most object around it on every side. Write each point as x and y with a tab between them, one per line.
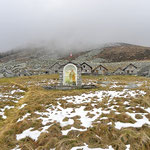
54	69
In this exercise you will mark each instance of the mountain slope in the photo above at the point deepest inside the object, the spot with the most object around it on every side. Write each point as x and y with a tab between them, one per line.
117	52
125	53
114	53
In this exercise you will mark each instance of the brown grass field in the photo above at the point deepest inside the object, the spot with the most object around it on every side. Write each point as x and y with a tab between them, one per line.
101	133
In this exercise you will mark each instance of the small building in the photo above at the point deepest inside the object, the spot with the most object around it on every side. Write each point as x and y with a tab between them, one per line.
70	74
54	69
130	70
100	70
86	68
118	71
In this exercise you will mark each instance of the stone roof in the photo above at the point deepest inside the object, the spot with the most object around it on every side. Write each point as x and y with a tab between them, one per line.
86	64
130	65
100	66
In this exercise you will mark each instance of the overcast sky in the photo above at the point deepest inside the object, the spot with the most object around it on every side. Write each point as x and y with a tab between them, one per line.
68	24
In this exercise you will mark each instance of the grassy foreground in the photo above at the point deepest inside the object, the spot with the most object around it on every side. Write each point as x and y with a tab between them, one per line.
102	133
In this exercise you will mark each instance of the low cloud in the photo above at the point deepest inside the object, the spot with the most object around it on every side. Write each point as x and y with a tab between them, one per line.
73	24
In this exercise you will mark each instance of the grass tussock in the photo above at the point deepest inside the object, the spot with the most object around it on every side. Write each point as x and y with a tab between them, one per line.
100	134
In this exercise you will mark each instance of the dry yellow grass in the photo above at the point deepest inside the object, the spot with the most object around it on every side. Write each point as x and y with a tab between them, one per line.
99	135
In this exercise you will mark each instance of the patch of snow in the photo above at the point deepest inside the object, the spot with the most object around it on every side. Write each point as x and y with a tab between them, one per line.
128	147
147	109
126	103
22	106
138	123
20	97
2	111
16	148
59	114
32	134
65	132
18	90
110	123
28	133
86	148
25	116
103	118
86	98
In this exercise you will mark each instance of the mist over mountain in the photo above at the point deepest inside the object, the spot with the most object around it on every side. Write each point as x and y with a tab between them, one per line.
110	52
73	24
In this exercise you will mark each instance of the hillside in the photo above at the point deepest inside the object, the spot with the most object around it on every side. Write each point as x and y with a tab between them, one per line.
117	52
125	53
29	54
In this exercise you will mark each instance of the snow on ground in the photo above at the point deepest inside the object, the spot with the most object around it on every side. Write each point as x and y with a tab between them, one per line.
69	115
59	114
25	116
86	148
65	132
138	123
16	148
2	111
18	90
22	106
89	82
86	98
11	95
128	147
34	134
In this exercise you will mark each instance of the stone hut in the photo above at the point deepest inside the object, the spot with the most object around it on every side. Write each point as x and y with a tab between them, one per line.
118	71
130	70
86	68
54	69
100	70
70	74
